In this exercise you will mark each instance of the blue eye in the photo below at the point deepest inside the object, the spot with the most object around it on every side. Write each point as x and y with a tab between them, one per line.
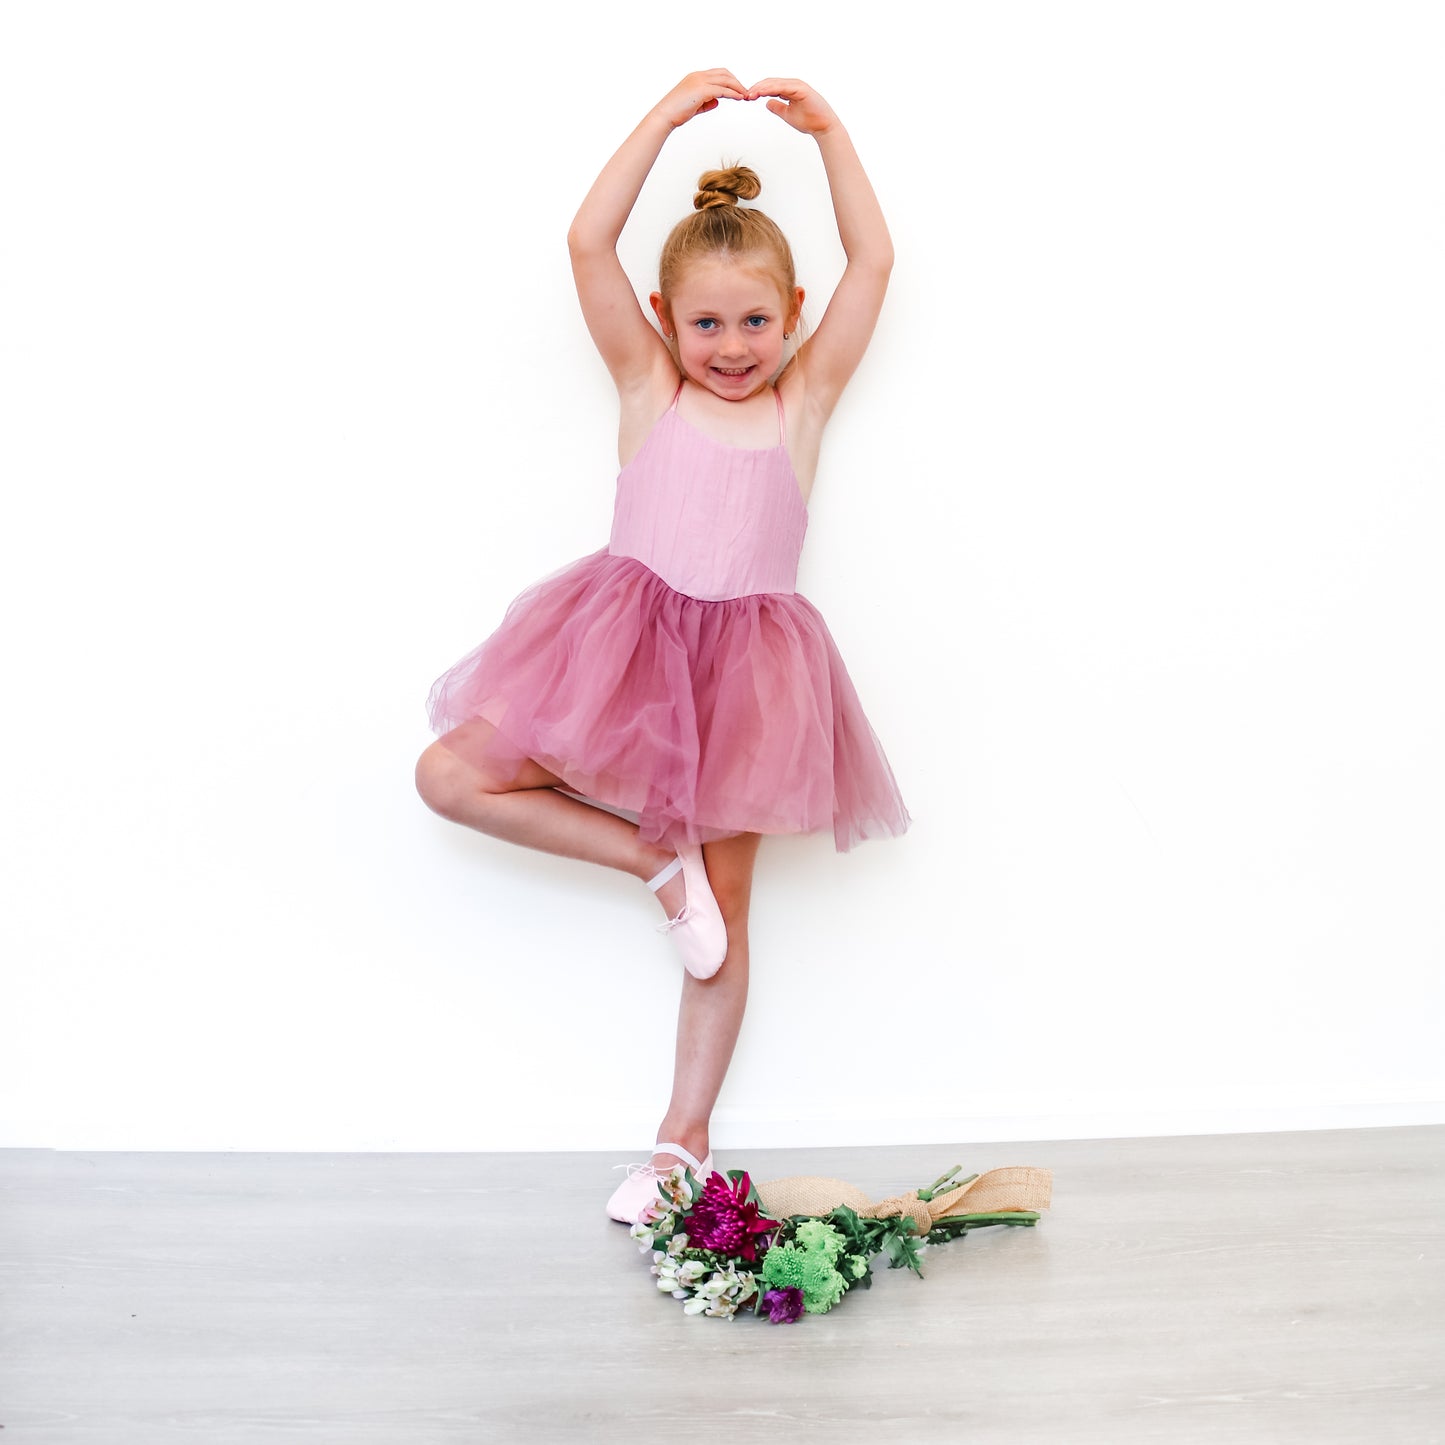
706	324
757	322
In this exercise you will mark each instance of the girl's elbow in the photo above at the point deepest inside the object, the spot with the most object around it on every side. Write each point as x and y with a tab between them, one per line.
879	260
875	255
584	239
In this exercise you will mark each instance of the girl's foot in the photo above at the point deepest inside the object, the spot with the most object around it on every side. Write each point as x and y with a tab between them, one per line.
697	926
637	1197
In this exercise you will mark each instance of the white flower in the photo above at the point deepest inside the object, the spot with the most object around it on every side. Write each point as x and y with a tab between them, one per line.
691	1271
695	1306
674	1188
677	1244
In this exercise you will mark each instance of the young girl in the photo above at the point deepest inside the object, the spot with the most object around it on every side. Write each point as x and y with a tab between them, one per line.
677	675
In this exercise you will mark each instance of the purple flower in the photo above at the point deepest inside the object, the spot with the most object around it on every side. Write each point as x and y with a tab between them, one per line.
784	1305
725	1220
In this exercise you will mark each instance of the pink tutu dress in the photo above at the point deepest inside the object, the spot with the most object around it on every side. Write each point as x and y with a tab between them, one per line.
678	675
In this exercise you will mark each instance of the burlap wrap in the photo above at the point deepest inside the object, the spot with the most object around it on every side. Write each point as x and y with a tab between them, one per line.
999	1191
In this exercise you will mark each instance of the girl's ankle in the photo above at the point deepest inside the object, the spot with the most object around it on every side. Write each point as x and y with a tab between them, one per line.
652	862
693	1139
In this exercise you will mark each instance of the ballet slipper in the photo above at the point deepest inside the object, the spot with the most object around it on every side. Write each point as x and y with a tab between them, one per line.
698	930
638	1198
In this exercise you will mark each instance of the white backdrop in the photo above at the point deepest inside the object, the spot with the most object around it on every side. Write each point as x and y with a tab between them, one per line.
1130	529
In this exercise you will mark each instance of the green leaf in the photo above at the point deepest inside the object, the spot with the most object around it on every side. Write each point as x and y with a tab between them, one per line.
902	1250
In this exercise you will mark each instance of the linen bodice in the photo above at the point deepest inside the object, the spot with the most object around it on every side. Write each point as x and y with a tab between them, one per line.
712	520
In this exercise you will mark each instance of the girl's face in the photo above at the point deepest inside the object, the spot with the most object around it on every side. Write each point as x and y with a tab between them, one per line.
729	321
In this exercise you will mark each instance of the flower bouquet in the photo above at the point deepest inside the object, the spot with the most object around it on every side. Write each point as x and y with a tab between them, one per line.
715	1248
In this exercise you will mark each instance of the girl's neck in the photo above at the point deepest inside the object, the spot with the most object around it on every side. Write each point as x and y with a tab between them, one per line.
750	423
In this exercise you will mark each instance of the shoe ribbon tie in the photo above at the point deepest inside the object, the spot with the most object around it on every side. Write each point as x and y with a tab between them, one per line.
649	1170
683	915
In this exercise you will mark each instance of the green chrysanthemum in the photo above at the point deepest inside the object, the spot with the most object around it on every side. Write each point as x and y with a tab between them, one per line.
808	1265
823	1286
819	1238
783	1267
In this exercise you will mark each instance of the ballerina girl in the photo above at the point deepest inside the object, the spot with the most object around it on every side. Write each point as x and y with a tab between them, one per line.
677	675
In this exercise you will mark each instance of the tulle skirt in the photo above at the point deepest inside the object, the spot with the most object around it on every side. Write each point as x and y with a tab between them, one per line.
703	719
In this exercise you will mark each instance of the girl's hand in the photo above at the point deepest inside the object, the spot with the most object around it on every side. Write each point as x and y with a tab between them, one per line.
697	93
798	104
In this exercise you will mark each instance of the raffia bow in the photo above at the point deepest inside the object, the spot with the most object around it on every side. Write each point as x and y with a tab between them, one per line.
999	1191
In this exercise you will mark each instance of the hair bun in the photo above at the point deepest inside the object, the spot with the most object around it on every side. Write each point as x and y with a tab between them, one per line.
726	188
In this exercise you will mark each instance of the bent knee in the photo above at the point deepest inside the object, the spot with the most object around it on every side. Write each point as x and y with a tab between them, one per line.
443	780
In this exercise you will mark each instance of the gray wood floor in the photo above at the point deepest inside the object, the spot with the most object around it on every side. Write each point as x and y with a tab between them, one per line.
1254	1288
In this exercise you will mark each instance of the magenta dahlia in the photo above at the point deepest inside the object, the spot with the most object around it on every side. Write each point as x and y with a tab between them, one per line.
725	1220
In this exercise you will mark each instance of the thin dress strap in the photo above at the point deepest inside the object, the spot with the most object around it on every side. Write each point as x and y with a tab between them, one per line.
777	398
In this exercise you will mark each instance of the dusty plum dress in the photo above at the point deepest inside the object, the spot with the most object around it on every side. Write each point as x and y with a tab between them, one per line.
678	674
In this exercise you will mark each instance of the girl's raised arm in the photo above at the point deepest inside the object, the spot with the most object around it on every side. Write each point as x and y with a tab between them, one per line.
629	345
831	355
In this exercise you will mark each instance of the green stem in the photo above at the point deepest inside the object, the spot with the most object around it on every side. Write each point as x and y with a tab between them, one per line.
959	1223
927	1194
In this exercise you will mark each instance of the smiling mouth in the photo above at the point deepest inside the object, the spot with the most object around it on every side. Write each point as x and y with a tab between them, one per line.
732	370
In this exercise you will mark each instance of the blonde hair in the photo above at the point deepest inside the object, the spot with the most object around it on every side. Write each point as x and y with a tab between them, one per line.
719	226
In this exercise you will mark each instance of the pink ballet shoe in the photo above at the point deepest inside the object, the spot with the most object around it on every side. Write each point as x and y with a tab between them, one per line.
698	930
637	1197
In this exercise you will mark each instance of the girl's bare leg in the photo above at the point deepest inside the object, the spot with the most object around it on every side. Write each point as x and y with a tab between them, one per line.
711	1012
453	780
